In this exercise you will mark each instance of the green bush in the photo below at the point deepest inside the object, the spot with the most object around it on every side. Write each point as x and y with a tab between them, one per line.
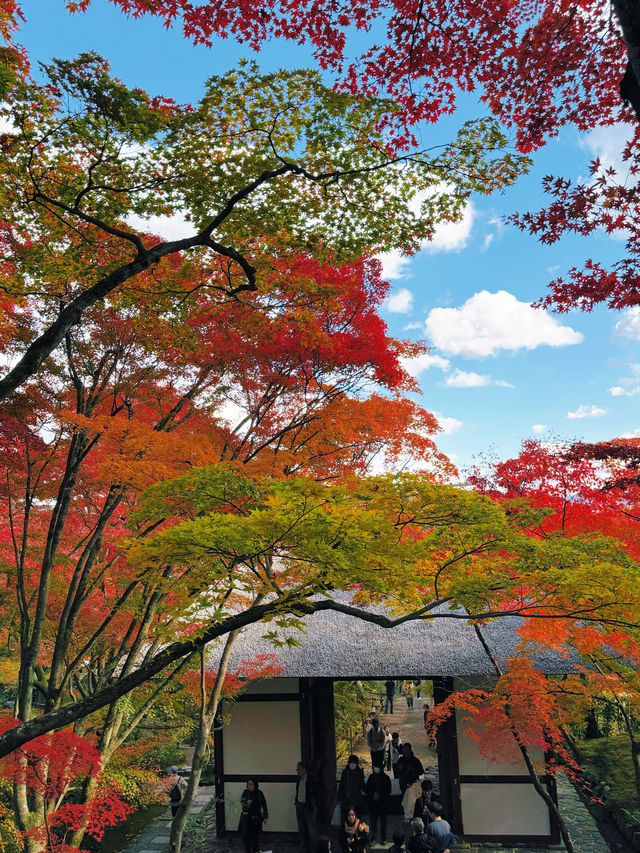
9	836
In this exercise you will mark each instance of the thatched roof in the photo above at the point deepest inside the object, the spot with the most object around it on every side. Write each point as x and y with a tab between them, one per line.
339	646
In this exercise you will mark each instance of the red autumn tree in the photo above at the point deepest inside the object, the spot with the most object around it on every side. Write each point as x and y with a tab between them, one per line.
538	67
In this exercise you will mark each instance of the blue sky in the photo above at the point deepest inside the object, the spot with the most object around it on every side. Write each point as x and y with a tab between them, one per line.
497	372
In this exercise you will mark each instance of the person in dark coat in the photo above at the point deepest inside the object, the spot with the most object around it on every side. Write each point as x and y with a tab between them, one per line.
354	835
421	808
306	802
398	842
378	789
351	788
420	841
390	689
253	814
409	765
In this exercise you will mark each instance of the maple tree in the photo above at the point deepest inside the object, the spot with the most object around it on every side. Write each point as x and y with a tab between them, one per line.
115	414
262	158
586	490
537	66
133	505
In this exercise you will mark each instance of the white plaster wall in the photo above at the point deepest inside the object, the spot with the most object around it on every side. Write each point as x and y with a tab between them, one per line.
280	803
503	809
262	737
507	760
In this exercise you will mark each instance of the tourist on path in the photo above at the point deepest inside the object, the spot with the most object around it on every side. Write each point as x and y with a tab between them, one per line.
306	808
376	741
253	815
378	789
398	842
351	789
409	765
411	793
355	833
387	748
176	788
390	689
407	689
396	747
423	803
440	830
420	842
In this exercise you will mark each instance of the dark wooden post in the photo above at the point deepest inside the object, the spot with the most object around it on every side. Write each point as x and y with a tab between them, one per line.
323	745
218	753
448	766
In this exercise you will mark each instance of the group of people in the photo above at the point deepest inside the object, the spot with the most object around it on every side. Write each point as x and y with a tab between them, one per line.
424	831
420	805
408	688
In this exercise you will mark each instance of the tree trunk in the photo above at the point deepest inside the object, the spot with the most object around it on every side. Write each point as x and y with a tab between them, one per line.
592	731
208	711
635	757
628	15
537	784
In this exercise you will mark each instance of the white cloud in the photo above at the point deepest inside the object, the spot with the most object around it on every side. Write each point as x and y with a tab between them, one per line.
634	434
410	326
466	379
417	365
489	322
538	429
488	240
447	237
452	236
607	144
448	425
400	302
173	227
394	265
630	385
629	324
469	379
586	412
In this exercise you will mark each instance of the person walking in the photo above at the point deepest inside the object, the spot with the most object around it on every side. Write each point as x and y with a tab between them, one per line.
352	786
354	836
396	752
387	748
390	689
253	814
412	792
409	767
378	790
306	808
177	785
376	741
407	689
423	803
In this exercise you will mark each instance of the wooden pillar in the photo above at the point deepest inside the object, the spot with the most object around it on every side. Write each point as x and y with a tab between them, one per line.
448	766
323	745
218	752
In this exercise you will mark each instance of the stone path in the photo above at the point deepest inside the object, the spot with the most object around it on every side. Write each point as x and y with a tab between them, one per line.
582	827
155	838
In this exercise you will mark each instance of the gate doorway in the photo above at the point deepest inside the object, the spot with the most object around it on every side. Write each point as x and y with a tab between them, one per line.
399	706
